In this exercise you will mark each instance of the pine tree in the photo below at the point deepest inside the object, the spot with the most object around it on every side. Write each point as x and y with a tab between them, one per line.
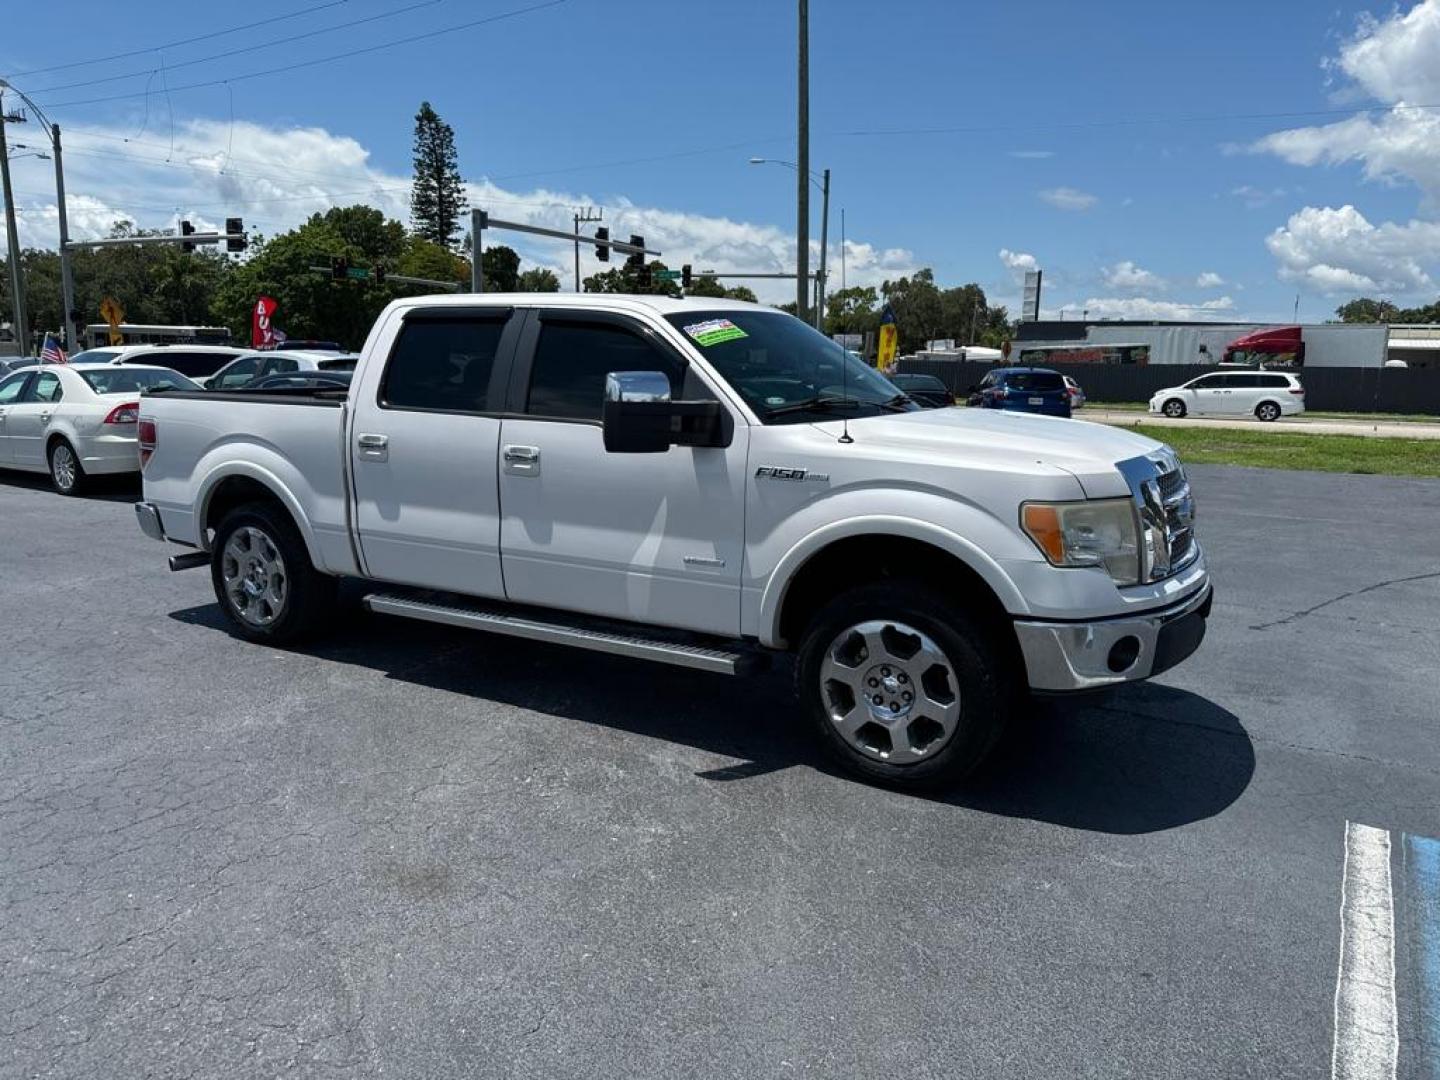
437	199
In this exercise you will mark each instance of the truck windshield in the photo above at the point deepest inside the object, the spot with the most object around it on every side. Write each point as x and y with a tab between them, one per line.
787	371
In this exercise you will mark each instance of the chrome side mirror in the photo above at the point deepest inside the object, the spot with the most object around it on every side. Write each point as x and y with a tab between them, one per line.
637	386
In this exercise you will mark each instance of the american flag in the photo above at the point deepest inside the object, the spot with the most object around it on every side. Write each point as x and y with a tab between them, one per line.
52	353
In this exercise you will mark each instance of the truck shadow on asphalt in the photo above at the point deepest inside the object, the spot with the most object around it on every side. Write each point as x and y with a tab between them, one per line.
1138	759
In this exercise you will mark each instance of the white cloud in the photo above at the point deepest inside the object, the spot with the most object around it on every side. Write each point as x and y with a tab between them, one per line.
1140	307
283	175
1032	155
1018	262
1208	279
1068	198
1254	197
1392	61
1339	251
1126	275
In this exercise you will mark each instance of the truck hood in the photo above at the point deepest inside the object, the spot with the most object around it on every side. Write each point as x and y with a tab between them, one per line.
1087	451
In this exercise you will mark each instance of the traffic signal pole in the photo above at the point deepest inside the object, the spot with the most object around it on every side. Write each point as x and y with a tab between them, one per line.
480	220
67	279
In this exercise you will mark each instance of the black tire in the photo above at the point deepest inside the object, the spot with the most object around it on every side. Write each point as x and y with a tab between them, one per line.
1174	408
285	611
1267	411
67	475
986	684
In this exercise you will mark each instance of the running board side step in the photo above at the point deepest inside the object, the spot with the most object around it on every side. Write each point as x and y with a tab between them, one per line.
456	612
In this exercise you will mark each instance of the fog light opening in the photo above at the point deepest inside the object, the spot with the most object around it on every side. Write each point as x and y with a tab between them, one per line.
1124	653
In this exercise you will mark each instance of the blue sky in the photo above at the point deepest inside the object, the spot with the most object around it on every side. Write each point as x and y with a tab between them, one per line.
1116	145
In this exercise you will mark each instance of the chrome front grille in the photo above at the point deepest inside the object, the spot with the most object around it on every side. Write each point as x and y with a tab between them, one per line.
1179	511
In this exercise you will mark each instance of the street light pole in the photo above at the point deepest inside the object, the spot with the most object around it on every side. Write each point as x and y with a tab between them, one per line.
821	281
802	179
12	240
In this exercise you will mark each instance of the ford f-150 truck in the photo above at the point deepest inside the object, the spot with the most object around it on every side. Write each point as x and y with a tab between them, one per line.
699	482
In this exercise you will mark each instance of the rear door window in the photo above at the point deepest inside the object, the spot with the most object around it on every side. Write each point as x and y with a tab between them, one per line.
443	364
46	388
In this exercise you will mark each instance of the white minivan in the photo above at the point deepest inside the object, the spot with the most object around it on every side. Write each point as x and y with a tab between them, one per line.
1265	395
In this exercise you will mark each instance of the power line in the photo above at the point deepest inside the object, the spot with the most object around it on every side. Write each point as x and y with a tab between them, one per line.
291	67
248	48
177	44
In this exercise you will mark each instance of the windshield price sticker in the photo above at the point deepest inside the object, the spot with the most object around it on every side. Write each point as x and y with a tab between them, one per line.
714	331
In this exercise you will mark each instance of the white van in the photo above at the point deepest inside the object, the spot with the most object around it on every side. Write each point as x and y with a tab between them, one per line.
1265	395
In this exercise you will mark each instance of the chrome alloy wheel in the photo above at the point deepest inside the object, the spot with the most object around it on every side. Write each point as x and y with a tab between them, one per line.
62	466
254	575
891	692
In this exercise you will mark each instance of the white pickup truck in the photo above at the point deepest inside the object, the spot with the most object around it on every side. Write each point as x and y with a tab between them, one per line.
699	482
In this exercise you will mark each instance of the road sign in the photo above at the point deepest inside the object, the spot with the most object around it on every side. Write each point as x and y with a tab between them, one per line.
667	275
114	314
358	273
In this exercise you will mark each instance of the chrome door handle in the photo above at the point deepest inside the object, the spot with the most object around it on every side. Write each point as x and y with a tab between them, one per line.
44	416
522	454
373	447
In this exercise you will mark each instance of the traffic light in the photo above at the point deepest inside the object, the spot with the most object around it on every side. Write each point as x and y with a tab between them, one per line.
235	234
685	276
339	267
602	251
379	273
186	229
635	265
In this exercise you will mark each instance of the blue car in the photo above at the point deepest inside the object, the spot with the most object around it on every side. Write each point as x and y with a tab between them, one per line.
1023	389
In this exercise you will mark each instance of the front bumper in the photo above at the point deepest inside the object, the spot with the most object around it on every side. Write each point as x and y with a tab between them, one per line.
1064	657
148	518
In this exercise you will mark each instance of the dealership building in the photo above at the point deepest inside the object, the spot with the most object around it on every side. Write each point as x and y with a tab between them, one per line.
1114	341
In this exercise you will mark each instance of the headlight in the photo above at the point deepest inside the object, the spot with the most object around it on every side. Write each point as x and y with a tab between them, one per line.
1101	532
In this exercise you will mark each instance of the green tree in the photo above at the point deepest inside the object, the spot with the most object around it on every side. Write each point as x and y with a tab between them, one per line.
1365	310
962	313
537	279
502	269
438	197
919	311
852	311
311	305
709	286
424	259
621	279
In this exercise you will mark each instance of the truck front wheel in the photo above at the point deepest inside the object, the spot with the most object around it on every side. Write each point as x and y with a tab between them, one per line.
263	577
903	687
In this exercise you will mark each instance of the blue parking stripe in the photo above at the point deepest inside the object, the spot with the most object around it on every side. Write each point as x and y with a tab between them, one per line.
1425	892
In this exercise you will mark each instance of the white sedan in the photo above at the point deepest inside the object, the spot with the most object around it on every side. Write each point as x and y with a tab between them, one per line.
259	365
76	420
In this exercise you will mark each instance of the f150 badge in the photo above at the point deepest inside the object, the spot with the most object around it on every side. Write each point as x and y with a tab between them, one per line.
776	472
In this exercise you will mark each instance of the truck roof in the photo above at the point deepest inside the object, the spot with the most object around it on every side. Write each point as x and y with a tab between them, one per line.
664	305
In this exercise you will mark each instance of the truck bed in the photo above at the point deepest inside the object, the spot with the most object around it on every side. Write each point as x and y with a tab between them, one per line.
293	442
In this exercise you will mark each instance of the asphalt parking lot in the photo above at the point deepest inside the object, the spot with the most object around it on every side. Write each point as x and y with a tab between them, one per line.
410	851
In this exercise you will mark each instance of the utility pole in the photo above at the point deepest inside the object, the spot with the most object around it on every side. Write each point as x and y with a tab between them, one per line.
477	234
67	280
582	217
842	249
821	283
802	162
12	240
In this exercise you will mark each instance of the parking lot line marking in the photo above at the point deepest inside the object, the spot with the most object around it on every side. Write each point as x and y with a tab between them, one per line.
1367	1043
1424	867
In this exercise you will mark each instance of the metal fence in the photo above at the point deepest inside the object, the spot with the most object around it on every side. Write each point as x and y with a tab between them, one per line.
1332	389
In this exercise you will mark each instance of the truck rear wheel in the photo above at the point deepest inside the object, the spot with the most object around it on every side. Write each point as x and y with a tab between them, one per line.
263	577
903	687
